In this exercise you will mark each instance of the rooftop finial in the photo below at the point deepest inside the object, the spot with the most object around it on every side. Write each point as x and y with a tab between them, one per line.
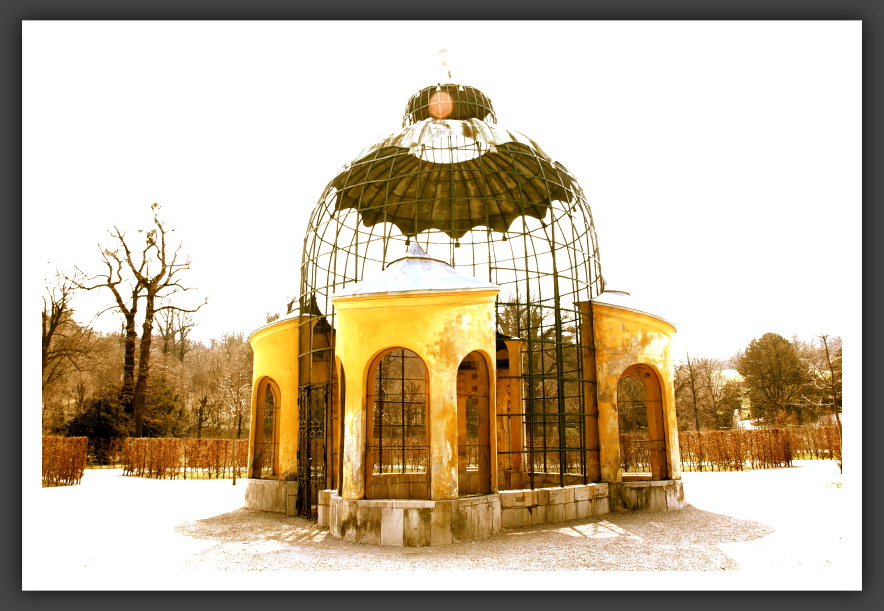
443	57
416	251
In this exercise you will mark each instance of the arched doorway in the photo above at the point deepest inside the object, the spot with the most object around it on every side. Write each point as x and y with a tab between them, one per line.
397	431
265	439
473	426
641	423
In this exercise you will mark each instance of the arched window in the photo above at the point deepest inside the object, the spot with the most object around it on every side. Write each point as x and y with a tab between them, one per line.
641	423
397	442
266	437
473	427
632	420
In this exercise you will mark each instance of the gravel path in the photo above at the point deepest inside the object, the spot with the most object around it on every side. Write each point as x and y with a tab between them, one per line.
779	528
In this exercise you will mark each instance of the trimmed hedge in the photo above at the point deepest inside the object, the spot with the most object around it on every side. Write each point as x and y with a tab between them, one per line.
738	449
735	450
170	458
64	460
817	441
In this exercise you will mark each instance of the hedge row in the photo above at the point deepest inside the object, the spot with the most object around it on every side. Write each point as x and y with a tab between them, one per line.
64	460
817	441
734	450
169	458
634	452
739	449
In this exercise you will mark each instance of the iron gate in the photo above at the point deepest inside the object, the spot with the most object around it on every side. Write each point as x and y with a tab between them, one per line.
312	403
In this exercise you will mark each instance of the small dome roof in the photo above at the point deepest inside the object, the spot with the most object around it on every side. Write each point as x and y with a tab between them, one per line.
618	298
449	101
624	300
416	272
452	168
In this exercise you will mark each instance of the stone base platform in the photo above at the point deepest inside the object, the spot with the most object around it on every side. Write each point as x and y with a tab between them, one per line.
417	523
279	496
550	505
409	522
638	495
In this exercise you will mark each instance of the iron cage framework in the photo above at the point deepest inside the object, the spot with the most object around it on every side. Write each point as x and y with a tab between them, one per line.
491	203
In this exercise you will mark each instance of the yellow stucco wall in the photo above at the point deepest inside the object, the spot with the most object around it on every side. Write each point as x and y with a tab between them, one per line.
275	349
625	337
442	329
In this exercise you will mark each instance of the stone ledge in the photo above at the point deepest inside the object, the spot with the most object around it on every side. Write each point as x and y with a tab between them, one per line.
414	523
646	483
550	505
552	496
418	523
534	515
651	496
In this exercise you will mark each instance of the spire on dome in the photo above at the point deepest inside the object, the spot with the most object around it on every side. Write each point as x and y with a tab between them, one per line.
415	250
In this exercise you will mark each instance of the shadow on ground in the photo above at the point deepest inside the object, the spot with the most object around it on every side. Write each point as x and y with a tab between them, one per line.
683	540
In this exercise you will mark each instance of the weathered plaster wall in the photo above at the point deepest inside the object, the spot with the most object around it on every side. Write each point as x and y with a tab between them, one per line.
441	328
275	349
625	337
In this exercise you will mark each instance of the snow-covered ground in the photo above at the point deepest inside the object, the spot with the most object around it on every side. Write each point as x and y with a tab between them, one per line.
794	528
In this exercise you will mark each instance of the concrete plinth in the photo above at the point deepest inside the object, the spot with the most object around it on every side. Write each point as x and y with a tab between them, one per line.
410	523
272	495
416	523
550	505
419	523
662	495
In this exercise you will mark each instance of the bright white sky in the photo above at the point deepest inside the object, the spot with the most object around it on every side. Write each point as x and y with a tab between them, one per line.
721	160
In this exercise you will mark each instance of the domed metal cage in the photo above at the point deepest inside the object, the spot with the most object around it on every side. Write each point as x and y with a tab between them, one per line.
493	204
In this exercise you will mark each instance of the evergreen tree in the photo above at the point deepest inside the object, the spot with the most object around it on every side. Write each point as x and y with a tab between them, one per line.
774	376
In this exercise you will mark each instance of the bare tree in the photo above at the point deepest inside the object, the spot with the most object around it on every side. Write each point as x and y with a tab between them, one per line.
688	385
236	382
215	385
77	361
149	276
201	388
64	342
704	395
725	394
833	383
822	356
173	326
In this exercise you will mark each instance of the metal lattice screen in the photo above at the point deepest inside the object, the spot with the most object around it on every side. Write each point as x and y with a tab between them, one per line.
555	433
398	443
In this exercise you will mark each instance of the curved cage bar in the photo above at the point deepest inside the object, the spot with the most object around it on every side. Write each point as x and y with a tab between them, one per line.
492	204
